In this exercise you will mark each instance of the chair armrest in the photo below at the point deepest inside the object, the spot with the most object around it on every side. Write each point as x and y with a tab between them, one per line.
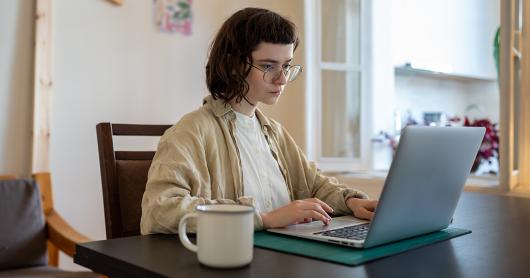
61	234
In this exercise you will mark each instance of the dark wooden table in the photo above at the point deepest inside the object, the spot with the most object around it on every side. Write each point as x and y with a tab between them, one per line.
499	246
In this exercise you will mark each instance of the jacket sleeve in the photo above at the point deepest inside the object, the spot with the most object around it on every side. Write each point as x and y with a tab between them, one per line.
178	181
329	190
308	181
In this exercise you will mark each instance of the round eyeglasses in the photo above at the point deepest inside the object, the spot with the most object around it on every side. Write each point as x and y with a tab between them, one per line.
272	72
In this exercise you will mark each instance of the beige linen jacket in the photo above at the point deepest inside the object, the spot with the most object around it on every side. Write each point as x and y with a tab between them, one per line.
197	162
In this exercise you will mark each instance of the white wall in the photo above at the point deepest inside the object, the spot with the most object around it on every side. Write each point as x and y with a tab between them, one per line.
454	97
449	36
16	86
452	36
111	64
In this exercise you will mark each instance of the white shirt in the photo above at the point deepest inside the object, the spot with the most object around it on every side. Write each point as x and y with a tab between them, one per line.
262	178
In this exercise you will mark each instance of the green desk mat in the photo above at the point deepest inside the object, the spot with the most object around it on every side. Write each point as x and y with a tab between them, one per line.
347	255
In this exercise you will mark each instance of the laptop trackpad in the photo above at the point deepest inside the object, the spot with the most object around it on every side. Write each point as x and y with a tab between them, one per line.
317	226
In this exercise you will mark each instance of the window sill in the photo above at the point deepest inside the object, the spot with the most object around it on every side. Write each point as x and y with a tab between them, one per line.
371	182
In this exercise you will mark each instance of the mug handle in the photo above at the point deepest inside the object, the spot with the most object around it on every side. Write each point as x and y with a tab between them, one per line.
182	232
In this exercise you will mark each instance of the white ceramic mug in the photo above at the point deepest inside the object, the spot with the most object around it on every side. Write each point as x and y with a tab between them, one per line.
225	235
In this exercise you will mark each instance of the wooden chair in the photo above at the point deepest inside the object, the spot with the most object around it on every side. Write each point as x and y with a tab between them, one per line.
123	177
59	234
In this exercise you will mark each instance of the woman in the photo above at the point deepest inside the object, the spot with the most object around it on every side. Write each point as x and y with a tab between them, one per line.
227	151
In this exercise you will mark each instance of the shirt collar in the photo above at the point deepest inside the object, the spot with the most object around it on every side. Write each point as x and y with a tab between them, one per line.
246	121
220	108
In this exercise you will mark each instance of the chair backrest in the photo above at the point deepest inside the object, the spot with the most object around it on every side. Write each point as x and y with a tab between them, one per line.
22	225
123	177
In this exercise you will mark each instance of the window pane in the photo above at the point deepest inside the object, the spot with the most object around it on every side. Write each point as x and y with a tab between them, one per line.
341	31
341	114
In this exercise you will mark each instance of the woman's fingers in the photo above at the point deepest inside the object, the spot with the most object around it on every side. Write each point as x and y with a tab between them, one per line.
316	215
371	205
362	208
326	207
363	213
315	207
299	211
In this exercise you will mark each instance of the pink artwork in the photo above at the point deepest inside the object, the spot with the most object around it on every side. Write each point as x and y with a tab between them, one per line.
173	16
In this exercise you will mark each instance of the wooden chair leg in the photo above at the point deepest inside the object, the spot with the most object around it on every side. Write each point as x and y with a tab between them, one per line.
53	254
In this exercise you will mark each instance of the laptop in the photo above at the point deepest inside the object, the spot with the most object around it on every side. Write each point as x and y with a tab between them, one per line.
420	194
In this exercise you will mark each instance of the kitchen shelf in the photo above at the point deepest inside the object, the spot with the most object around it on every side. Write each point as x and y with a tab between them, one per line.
410	71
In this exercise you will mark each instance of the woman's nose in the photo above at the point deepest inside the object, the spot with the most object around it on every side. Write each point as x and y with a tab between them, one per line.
282	78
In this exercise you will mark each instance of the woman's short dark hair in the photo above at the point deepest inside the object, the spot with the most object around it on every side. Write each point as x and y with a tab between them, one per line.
231	50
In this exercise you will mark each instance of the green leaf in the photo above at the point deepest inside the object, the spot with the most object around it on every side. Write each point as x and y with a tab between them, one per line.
496	48
184	5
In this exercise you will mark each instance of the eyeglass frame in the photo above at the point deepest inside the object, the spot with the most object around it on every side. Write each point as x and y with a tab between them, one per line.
282	71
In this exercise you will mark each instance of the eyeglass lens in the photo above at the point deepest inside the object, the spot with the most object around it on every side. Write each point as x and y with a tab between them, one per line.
290	74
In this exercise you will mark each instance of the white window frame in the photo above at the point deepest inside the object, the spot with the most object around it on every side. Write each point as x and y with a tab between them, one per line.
514	144
313	31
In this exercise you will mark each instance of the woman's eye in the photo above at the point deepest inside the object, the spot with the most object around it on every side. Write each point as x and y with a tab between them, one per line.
286	67
267	67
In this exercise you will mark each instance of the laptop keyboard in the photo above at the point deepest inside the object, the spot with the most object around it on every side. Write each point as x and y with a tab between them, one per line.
357	232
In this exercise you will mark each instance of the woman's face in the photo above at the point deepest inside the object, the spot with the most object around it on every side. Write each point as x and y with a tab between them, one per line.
265	56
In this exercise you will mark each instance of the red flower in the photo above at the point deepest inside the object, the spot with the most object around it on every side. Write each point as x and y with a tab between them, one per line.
490	144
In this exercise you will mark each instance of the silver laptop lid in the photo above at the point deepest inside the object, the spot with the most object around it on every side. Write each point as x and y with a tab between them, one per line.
424	182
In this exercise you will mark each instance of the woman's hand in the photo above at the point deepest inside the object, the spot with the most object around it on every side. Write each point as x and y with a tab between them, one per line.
297	211
362	208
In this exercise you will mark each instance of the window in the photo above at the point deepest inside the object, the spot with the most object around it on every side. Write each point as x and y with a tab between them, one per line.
337	101
515	80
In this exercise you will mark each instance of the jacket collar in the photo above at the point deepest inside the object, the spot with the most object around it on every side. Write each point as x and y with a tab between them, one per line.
220	109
